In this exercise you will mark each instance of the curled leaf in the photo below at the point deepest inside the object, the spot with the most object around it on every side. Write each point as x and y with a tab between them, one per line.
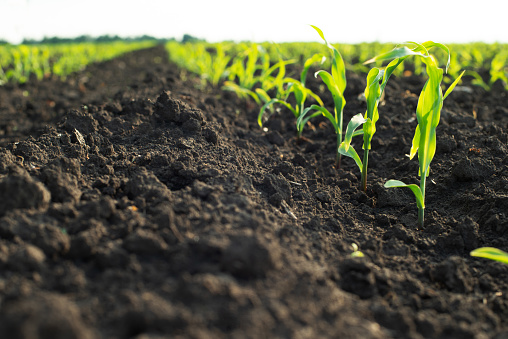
416	190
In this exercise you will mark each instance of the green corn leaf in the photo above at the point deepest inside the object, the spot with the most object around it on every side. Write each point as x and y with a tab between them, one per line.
373	92
355	122
491	253
419	48
429	44
345	147
478	80
338	97
237	72
262	94
389	70
415	144
313	59
269	104
281	66
357	133
240	91
416	191
300	97
372	95
428	113
250	68
290	83
338	67
369	128
289	80
339	71
351	152
452	86
315	96
304	117
400	52
320	32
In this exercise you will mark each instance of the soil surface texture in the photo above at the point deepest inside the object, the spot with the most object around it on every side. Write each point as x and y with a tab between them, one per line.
136	203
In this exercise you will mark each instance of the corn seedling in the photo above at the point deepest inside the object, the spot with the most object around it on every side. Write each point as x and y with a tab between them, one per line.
376	83
251	68
499	68
428	113
474	57
477	79
336	84
215	65
275	85
298	89
356	252
209	61
267	82
245	64
491	253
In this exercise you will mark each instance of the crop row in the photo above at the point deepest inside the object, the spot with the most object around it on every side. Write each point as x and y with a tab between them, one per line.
21	62
484	63
252	71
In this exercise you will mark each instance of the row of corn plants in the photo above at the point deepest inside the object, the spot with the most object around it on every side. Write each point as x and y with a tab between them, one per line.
484	63
260	73
18	63
250	67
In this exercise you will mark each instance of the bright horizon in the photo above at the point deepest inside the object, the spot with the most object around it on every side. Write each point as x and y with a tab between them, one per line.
282	21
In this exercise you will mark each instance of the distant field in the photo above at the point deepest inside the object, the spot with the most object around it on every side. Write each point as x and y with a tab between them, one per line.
20	63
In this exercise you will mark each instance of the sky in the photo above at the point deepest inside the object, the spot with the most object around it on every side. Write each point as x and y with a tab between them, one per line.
260	20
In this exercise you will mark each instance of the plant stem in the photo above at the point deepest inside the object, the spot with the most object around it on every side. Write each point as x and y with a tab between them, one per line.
421	216
338	155
421	211
337	160
364	169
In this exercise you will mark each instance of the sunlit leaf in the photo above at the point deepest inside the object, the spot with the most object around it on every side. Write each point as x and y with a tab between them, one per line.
491	253
416	191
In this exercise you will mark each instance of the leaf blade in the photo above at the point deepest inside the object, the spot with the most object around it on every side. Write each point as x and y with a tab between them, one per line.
416	190
268	104
452	86
490	253
396	53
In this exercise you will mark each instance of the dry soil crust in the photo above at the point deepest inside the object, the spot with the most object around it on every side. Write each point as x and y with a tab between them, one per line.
147	208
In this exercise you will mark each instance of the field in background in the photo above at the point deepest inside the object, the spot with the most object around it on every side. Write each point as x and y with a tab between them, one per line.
484	63
20	63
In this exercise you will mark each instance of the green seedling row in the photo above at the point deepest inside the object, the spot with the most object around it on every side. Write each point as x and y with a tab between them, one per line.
484	63
258	72
18	63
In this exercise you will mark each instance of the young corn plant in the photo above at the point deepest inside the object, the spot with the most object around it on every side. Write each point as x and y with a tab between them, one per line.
336	84
298	89
499	68
428	112
241	78
251	68
210	61
265	80
214	64
376	83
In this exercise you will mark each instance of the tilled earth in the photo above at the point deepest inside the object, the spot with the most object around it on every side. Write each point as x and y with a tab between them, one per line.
134	203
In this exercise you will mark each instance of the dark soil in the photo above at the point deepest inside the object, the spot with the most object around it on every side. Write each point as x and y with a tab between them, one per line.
134	204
